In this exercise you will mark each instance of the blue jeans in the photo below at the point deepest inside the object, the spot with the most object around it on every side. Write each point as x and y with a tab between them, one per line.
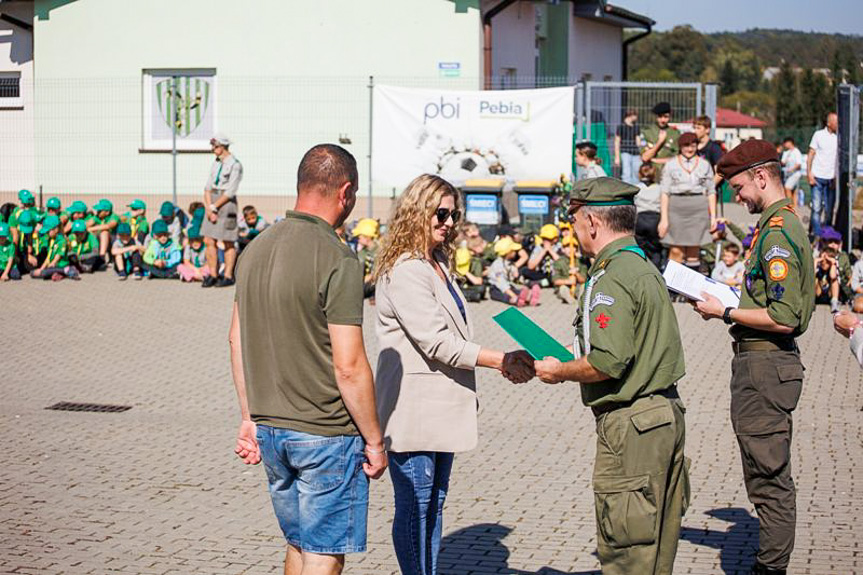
319	491
420	482
823	200
629	165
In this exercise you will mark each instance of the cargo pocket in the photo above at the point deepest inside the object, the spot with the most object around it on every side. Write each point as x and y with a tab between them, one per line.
790	385
231	221
652	418
685	486
625	510
765	445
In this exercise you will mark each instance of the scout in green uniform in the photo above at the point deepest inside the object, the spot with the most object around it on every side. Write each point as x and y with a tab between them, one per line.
629	358
470	269
767	377
366	233
103	225
660	139
137	219
568	273
8	269
29	252
28	204
56	265
84	249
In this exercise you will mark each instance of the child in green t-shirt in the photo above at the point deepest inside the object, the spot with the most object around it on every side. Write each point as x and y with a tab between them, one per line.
8	270
84	249
568	272
56	265
137	219
104	226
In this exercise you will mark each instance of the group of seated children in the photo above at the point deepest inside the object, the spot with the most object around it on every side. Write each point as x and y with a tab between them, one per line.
507	272
56	244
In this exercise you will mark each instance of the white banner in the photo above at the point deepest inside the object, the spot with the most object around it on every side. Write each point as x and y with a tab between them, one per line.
460	135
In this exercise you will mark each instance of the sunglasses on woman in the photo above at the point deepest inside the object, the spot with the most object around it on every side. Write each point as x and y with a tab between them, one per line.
443	214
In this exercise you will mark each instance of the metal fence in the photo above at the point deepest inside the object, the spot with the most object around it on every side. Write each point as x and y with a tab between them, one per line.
83	138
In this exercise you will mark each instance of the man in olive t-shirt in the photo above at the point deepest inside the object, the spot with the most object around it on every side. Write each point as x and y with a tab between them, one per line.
303	381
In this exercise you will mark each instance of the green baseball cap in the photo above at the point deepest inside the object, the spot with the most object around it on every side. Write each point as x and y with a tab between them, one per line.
48	224
26	197
53	204
166	210
26	222
160	227
4	231
138	205
602	192
77	207
195	233
79	226
124	228
104	205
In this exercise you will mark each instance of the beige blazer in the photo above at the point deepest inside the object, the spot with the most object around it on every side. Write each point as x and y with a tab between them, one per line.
425	382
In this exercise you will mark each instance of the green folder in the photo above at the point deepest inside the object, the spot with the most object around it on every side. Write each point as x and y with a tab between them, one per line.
530	336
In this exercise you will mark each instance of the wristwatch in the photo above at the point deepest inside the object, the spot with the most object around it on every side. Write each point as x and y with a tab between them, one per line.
726	316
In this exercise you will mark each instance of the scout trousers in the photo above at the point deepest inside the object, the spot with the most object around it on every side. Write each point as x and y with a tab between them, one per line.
641	486
765	388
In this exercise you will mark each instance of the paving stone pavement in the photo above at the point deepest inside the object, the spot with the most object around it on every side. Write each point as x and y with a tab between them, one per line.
157	489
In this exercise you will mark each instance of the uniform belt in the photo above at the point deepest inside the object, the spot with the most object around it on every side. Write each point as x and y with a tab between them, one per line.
670	393
765	345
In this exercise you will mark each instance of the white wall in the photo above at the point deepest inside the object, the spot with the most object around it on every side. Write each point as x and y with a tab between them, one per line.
595	49
732	137
16	124
514	41
289	75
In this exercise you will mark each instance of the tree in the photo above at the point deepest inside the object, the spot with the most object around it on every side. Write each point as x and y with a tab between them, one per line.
729	78
788	113
810	98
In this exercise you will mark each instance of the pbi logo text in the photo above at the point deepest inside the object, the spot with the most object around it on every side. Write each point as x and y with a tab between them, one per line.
442	110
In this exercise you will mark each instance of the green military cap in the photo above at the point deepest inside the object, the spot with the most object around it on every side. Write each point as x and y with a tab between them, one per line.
4	231
123	228
167	210
49	223
26	197
79	226
53	204
77	207
138	205
26	222
602	192
195	233
160	227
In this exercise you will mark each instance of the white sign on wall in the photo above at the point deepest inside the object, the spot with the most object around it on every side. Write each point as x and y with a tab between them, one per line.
184	99
461	135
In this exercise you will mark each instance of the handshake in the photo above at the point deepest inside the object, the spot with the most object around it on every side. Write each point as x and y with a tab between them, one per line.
518	366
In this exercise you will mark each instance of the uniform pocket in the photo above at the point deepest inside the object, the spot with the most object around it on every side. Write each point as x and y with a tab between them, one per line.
652	418
231	221
765	444
625	510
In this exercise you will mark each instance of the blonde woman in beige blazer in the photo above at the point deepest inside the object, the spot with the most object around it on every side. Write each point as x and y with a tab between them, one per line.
425	382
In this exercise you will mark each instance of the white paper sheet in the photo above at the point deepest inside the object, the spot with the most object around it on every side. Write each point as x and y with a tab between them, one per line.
690	284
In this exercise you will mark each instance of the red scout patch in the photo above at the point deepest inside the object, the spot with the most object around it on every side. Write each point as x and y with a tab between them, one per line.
602	320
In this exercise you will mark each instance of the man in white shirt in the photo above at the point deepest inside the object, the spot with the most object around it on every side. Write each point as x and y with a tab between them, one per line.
821	171
792	169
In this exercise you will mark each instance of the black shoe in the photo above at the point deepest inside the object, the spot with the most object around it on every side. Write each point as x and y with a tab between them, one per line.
759	569
225	282
209	281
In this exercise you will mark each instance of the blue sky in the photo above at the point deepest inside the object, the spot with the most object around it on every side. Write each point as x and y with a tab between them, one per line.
836	16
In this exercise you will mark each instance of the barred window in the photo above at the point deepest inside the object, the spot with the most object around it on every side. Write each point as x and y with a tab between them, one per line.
10	86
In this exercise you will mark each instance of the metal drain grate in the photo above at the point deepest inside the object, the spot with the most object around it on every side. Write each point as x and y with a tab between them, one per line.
93	407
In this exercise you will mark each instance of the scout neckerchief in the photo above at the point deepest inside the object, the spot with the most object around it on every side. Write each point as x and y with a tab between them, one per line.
219	173
588	292
680	163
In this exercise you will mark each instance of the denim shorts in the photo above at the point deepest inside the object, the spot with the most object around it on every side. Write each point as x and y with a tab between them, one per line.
319	491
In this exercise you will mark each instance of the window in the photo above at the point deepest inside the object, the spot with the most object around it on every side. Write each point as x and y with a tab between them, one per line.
10	90
178	105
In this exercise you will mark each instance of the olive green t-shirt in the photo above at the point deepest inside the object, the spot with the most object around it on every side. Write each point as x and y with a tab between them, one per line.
292	282
633	334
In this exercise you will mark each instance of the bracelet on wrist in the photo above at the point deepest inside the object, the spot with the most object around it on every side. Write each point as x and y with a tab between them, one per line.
370	450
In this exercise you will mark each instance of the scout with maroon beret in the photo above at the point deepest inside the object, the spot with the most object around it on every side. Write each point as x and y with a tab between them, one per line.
628	360
776	303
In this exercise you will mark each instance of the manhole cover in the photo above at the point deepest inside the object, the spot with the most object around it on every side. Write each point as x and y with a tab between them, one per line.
94	407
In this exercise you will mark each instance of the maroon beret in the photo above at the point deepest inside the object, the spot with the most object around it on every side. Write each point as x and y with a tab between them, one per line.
687	139
747	155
